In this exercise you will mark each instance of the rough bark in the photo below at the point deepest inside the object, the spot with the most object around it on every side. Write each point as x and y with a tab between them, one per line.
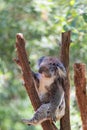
22	60
64	57
81	92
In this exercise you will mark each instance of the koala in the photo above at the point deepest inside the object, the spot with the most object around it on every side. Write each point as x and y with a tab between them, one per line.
49	83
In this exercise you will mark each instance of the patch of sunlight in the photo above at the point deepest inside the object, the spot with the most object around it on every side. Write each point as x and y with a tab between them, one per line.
48	43
45	2
72	2
3	79
2	5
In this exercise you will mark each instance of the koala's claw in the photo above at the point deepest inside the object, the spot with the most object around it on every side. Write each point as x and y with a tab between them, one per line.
26	121
53	118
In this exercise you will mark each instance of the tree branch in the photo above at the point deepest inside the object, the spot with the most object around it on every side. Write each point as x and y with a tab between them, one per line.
28	79
64	57
81	95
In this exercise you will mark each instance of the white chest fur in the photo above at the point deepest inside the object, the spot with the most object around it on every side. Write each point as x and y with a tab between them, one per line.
44	84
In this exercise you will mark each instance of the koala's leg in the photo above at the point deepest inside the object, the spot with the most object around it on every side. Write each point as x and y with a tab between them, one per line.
39	116
50	111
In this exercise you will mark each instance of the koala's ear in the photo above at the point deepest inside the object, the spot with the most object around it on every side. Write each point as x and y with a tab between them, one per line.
40	60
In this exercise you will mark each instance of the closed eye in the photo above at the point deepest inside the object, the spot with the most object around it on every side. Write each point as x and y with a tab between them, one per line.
60	66
54	64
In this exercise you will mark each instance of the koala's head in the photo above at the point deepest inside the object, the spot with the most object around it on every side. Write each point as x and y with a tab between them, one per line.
51	66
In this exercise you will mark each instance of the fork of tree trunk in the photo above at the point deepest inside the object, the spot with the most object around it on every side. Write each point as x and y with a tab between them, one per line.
79	80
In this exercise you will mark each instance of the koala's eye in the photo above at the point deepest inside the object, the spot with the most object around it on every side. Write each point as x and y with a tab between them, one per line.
57	65
60	66
54	64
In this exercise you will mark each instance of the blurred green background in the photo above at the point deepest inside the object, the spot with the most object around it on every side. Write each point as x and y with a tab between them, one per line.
41	22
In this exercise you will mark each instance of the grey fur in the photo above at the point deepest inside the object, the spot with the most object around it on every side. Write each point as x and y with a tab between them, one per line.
49	83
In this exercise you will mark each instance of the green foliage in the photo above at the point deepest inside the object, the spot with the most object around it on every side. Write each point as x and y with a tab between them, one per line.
41	22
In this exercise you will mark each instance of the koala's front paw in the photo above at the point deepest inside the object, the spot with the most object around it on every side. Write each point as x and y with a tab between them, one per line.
30	122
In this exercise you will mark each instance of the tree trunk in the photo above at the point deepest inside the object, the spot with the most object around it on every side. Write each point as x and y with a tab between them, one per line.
81	92
64	57
22	60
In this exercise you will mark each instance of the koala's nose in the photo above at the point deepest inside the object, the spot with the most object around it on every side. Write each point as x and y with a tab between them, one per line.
43	69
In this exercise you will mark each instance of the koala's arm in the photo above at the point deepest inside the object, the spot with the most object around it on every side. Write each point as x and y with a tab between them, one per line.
36	78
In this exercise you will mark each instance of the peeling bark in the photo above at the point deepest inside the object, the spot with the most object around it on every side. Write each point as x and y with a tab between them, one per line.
81	95
22	60
64	57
